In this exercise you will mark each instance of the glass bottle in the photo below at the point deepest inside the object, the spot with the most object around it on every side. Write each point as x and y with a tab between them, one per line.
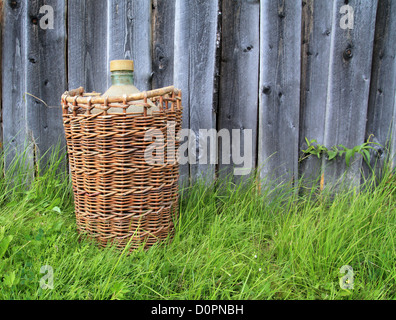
122	82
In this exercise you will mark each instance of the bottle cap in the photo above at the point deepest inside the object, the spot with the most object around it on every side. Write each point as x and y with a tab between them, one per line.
117	65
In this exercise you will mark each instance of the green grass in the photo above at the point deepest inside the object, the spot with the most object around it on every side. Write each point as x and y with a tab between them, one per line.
230	243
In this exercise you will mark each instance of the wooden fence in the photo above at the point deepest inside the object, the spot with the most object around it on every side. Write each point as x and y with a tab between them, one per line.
284	69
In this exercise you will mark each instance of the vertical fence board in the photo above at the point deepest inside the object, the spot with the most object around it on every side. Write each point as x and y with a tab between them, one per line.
280	46
315	55
87	45
15	131
382	106
195	52
46	76
239	69
348	88
129	37
181	63
163	42
203	36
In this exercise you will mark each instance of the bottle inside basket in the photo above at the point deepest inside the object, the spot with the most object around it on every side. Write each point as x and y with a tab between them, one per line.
122	82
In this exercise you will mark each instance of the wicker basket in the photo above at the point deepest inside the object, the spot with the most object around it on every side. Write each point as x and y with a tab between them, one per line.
119	196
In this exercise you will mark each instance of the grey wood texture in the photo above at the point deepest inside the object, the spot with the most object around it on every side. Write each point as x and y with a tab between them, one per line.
163	42
280	66
239	69
181	62
348	88
16	136
129	37
101	31
382	107
203	36
194	73
46	75
88	57
315	54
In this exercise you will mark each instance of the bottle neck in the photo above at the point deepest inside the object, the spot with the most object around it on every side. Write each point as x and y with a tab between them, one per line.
122	78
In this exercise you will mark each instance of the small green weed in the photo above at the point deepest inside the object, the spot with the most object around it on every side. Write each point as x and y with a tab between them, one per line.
314	148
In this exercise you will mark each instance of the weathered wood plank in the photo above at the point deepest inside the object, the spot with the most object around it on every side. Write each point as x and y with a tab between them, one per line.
122	31
279	96
239	69
163	42
382	106
348	87
88	62
15	130
181	63
194	73
315	54
129	37
203	35
47	78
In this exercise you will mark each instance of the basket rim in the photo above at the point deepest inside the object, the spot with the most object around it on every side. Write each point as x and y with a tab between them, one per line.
76	96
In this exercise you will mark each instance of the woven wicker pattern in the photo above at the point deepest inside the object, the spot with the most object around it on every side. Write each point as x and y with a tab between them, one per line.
118	194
